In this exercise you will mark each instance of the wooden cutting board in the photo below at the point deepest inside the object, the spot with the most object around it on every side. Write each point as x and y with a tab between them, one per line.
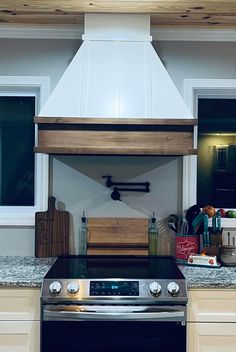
117	236
51	231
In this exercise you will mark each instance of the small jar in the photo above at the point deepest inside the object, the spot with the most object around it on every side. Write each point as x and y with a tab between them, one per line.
228	255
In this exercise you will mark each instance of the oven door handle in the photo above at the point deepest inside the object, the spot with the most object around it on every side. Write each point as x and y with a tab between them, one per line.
82	313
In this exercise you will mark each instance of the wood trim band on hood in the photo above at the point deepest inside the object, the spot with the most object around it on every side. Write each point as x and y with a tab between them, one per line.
117	136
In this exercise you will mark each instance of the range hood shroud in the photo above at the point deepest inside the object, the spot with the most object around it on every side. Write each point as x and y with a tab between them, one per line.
114	82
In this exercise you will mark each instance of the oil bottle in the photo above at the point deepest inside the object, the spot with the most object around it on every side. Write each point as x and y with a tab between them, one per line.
153	237
83	233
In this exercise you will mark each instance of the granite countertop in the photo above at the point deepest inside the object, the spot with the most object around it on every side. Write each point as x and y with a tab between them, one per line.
29	272
201	277
23	271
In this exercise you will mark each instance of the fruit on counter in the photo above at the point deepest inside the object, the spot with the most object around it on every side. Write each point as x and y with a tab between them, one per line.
231	214
222	212
209	210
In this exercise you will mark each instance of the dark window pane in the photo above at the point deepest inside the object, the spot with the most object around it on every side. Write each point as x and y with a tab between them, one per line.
16	147
216	177
216	115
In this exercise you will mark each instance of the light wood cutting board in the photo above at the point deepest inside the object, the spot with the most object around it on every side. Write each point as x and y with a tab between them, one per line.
117	236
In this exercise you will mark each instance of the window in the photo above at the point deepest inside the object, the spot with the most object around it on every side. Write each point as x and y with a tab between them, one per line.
216	169
23	174
193	89
16	145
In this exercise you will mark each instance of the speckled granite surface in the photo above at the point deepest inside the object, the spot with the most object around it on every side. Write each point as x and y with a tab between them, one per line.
23	271
201	277
29	272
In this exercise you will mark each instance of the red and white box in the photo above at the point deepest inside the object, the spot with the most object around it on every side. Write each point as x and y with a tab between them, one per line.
184	246
203	260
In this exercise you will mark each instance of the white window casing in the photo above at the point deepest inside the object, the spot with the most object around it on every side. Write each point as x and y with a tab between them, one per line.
40	88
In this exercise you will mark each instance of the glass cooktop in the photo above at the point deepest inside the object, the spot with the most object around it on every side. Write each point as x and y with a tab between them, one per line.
106	266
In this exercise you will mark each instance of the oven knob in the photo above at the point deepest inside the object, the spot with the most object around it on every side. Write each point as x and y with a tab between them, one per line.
173	288
155	288
55	287
73	287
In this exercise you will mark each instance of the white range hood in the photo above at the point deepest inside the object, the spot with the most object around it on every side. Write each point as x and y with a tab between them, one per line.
116	73
116	97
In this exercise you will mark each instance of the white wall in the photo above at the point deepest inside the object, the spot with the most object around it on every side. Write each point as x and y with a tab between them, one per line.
17	241
197	60
36	57
72	180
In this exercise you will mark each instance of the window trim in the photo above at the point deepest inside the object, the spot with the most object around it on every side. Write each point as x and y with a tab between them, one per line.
39	86
193	89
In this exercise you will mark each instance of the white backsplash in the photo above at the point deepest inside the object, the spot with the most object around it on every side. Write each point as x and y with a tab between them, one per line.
77	182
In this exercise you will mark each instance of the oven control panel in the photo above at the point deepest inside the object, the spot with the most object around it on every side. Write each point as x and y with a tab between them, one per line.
150	291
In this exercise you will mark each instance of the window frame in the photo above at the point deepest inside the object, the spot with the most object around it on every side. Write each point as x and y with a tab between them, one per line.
193	89
38	86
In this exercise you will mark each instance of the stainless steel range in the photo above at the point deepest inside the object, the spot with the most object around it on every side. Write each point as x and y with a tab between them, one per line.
113	303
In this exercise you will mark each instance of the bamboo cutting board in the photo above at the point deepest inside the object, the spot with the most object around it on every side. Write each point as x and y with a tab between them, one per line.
51	231
117	236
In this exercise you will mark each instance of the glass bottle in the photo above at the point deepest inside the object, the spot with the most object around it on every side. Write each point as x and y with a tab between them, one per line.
83	232
153	237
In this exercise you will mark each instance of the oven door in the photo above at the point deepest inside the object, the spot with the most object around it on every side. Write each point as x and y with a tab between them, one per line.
113	328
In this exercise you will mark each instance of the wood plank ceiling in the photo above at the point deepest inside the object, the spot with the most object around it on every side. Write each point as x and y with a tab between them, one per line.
164	13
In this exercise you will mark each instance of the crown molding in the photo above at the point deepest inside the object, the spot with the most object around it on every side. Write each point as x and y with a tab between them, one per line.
75	32
41	32
191	34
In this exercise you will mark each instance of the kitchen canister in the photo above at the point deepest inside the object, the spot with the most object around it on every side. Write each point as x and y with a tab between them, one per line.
185	245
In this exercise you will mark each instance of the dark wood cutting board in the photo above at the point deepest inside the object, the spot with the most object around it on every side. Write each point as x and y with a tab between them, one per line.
51	231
